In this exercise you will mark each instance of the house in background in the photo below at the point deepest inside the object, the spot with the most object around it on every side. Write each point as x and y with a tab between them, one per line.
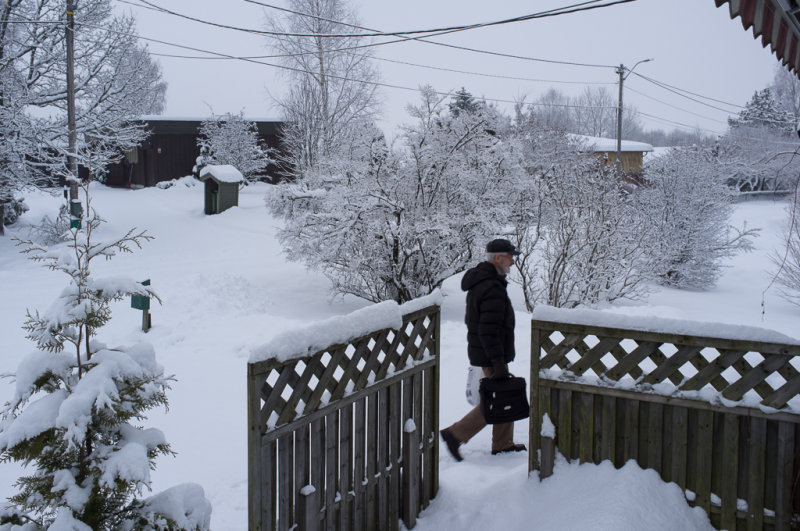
171	151
632	153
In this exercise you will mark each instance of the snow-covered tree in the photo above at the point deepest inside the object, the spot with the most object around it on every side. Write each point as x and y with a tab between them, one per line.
763	111
331	80
553	111
595	112
115	82
231	139
77	403
786	90
386	223
687	208
464	101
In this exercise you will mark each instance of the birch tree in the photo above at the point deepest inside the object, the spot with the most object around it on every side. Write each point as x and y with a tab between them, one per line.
330	93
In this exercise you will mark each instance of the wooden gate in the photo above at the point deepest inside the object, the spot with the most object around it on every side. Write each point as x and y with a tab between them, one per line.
347	438
674	403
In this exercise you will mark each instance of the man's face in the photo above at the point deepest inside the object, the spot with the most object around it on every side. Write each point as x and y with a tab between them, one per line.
503	262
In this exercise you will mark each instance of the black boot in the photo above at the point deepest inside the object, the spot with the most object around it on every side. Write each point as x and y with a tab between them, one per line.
452	444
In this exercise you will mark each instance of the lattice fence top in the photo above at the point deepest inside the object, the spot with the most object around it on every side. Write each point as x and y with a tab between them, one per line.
301	386
758	372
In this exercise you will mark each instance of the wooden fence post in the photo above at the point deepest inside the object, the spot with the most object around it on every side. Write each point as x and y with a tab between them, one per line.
548	448
309	508
410	481
533	427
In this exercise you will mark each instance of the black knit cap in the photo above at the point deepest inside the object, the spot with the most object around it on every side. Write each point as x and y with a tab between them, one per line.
501	246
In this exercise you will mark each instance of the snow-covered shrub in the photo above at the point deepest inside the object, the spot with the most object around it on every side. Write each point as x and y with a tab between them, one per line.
757	159
76	405
687	207
51	231
188	181
579	236
593	239
230	139
386	223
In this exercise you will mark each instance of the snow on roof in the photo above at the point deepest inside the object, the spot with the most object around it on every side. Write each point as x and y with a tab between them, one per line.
656	153
602	144
224	173
168	118
646	323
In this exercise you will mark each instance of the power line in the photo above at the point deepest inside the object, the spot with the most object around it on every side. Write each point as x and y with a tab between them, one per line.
376	33
679	91
395	61
766	120
543	14
674	106
698	128
332	76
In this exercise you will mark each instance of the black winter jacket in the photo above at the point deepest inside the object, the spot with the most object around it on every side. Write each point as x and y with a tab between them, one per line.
489	317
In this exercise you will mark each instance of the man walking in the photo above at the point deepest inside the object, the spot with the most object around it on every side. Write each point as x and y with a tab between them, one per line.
490	341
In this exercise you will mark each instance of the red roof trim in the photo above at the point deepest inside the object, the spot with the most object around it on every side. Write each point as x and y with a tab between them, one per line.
770	20
748	14
767	19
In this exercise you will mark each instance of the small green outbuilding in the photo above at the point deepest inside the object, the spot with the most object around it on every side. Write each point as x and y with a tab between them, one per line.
221	187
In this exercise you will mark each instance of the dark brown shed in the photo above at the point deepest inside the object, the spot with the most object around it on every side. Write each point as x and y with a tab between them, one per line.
171	151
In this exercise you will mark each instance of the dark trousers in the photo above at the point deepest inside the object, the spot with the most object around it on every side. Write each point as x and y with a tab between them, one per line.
473	422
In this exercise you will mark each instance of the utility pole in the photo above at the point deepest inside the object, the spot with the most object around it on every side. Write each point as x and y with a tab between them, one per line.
620	70
618	164
75	209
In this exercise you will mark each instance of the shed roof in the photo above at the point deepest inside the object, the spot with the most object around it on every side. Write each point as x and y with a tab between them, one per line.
776	22
222	173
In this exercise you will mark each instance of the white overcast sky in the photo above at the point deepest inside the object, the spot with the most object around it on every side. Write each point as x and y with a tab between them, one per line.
694	46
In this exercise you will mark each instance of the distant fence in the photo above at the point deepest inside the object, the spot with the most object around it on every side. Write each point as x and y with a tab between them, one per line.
674	403
347	438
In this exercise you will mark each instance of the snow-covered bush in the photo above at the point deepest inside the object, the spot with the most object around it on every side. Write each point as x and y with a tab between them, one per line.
50	231
687	207
757	159
386	223
230	139
579	236
76	405
593	246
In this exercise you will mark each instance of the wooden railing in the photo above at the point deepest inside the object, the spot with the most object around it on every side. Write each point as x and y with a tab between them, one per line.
347	438
716	416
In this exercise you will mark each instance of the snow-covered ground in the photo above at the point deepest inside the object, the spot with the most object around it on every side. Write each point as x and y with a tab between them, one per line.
226	288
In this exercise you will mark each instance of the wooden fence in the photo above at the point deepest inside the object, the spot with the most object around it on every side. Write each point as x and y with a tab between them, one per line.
674	403
347	438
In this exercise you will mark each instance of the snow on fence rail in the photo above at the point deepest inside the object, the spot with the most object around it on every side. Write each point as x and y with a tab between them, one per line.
719	416
343	421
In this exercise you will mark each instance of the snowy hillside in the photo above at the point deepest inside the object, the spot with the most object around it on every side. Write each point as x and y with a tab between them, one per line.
227	288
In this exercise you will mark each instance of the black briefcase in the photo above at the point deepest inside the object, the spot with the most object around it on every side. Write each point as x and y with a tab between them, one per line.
504	400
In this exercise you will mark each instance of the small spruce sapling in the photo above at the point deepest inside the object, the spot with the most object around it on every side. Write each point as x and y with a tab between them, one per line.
76	401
